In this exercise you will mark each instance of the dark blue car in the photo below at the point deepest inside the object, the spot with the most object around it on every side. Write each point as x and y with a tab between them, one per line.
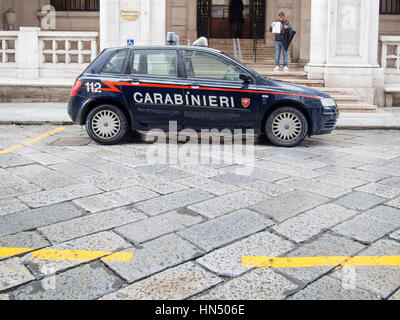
142	88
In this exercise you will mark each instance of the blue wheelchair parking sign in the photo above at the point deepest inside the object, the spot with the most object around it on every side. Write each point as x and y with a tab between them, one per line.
130	43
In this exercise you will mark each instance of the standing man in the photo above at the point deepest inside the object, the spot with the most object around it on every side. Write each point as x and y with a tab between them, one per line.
236	14
279	45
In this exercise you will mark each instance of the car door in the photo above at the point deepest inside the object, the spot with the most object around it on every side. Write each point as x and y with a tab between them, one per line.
154	92
215	94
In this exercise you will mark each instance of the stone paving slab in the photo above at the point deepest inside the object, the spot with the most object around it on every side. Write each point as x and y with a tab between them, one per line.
158	184
289	204
355	173
380	190
106	182
227	203
221	231
394	203
304	226
57	195
227	261
43	177
154	227
103	241
384	170
259	284
15	190
8	206
269	188
371	225
75	228
13	273
86	282
324	246
347	183
45	158
297	172
208	185
392	181
113	199
155	256
176	283
326	190
173	201
12	160
28	239
328	288
74	170
360	201
381	280
35	218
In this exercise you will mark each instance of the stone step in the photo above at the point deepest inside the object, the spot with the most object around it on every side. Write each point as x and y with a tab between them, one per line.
303	82
345	99
300	75
356	107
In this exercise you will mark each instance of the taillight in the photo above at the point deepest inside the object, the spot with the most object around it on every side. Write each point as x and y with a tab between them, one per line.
75	88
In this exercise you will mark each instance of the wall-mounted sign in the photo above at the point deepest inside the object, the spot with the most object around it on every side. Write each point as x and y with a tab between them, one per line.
130	14
130	43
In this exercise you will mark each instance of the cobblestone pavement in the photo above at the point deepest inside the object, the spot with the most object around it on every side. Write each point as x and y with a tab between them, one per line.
188	225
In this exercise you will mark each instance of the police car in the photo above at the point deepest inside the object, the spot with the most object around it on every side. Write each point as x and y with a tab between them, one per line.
142	88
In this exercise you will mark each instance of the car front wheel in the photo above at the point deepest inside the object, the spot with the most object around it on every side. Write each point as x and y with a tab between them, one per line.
286	127
106	124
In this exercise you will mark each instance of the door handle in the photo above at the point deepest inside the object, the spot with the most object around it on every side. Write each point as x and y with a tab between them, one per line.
195	86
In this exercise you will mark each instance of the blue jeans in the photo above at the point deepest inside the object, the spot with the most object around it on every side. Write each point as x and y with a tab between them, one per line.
278	48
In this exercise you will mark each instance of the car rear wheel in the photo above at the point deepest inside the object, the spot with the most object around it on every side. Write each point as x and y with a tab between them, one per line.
106	124
286	127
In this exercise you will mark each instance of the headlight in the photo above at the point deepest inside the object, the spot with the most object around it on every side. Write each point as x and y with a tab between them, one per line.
328	102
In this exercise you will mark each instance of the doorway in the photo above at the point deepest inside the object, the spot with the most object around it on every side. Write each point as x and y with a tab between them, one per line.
213	19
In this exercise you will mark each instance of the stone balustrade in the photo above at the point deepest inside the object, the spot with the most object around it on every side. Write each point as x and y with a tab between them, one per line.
34	54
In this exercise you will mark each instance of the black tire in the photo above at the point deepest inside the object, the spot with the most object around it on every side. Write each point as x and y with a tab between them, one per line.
107	124
286	127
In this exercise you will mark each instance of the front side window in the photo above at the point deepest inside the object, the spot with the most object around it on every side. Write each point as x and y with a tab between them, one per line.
116	63
203	65
155	63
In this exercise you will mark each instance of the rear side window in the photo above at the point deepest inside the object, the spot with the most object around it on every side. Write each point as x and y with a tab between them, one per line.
155	63
116	63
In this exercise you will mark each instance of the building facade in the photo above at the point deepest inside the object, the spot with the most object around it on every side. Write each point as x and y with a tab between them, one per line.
345	43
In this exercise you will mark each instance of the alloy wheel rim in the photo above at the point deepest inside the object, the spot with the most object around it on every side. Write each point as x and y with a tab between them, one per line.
287	127
106	124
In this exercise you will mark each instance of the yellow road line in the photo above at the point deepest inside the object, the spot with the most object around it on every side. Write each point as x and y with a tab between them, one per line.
67	255
304	262
30	141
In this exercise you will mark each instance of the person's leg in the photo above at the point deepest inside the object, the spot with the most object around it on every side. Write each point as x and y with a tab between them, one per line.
285	56
240	29
277	53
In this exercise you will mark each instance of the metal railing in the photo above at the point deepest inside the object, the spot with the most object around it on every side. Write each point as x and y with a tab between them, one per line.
237	49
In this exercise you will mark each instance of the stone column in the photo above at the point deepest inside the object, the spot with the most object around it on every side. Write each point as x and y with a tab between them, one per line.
344	43
147	29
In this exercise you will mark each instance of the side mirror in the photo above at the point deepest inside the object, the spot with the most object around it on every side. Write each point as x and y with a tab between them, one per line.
245	78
